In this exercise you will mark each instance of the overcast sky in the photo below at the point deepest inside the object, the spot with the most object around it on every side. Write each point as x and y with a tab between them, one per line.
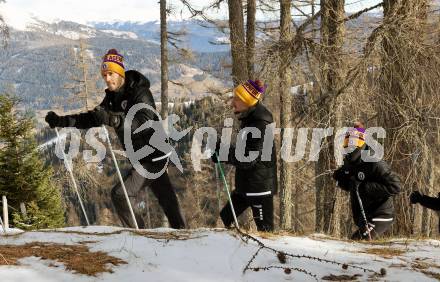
18	12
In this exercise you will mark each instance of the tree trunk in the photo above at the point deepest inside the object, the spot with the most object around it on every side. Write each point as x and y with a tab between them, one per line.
84	66
163	60
164	72
328	196
237	38
250	37
285	74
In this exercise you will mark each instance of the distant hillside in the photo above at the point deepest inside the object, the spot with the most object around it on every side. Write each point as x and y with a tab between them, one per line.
38	63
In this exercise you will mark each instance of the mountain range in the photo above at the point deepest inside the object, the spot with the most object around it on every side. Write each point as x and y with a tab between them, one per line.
40	62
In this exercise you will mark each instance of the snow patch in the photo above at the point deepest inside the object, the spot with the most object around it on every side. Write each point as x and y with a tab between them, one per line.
70	34
222	40
10	231
218	255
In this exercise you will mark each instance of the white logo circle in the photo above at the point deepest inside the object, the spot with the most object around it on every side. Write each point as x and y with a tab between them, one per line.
124	104
361	175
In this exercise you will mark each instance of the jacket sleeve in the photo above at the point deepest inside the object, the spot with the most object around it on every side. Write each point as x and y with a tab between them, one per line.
94	118
383	183
144	114
430	202
252	144
342	179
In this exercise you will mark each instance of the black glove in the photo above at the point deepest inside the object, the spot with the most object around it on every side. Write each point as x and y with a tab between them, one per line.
115	119
415	197
339	174
216	151
214	157
53	119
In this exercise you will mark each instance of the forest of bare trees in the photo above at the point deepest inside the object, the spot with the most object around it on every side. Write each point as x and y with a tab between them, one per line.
383	70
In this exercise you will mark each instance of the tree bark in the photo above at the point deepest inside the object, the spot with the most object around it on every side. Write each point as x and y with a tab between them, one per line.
238	44
329	199
250	37
285	82
163	60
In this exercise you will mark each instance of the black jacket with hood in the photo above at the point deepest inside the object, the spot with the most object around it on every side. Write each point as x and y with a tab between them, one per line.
114	108
257	178
377	186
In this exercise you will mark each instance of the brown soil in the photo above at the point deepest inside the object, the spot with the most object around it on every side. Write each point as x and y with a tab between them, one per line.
76	258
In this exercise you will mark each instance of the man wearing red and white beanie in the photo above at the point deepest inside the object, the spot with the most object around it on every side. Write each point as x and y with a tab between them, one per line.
124	90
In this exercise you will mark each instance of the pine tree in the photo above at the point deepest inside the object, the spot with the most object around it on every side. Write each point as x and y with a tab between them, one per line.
23	177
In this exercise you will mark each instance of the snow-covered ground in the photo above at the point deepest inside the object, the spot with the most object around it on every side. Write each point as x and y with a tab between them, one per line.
220	255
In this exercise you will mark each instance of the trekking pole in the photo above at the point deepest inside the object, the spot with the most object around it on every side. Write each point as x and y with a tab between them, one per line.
361	207
217	187
120	177
69	169
227	190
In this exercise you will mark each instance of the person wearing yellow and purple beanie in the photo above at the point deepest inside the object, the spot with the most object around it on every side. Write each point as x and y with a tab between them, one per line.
256	180
374	182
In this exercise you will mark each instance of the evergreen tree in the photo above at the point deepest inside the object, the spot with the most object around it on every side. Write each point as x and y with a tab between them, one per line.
23	176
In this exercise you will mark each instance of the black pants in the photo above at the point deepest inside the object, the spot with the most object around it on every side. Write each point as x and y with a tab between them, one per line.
377	228
162	189
262	210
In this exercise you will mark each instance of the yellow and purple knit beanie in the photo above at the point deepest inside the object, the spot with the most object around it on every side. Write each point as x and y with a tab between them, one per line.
250	92
355	137
113	61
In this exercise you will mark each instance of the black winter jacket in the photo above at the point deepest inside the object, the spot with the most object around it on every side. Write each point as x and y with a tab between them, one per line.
257	178
377	186
136	89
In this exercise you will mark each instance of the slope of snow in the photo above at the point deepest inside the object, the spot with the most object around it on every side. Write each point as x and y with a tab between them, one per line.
121	34
215	255
74	35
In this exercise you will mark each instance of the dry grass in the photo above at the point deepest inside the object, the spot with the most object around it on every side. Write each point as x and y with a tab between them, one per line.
385	252
343	277
432	274
179	235
76	258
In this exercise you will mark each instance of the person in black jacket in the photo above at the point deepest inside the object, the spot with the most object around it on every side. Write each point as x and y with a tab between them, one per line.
432	203
124	90
256	180
376	184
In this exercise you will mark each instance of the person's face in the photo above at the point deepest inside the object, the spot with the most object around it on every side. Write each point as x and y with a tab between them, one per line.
238	106
113	80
